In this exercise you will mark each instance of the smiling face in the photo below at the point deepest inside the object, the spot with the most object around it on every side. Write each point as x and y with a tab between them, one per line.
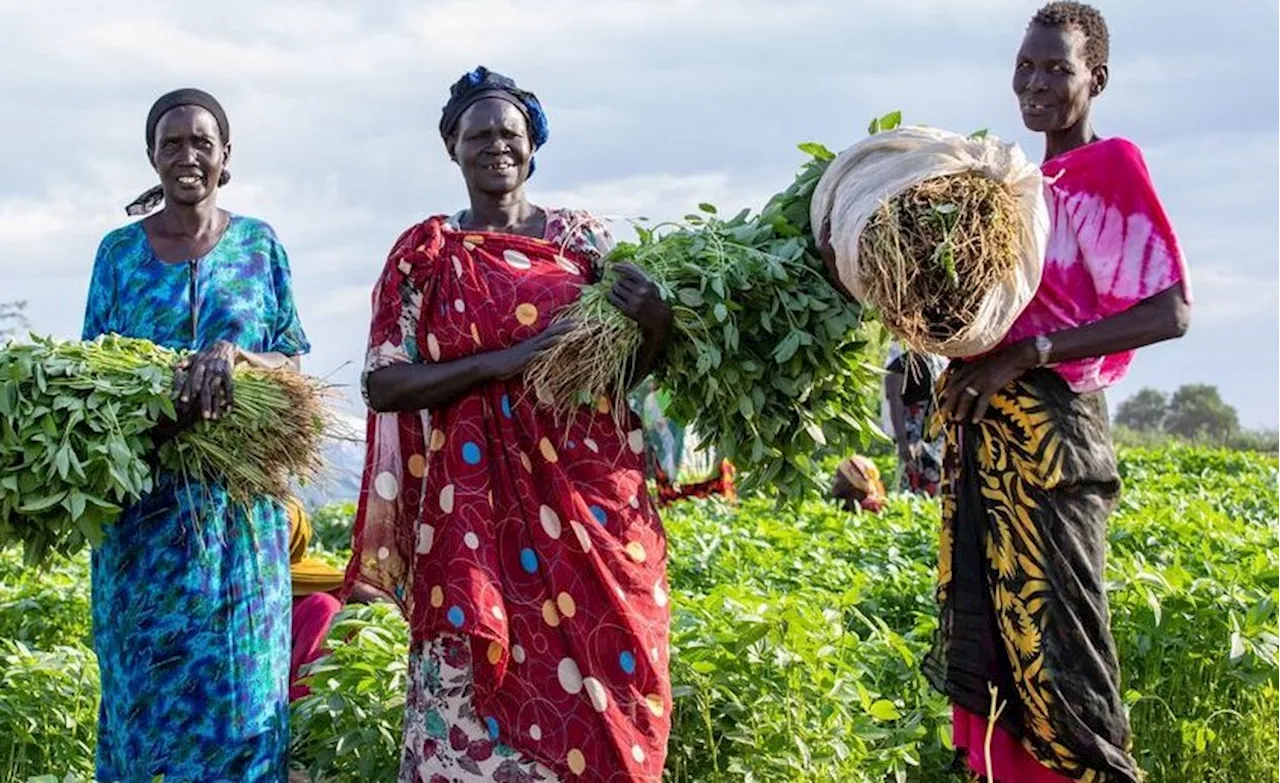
492	147
1052	79
189	154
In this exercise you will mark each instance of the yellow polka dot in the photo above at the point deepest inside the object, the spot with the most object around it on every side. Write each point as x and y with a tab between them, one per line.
433	348
526	462
568	607
654	702
417	465
526	314
603	405
577	762
549	614
548	451
635	550
475	333
437	440
495	653
474	239
437	596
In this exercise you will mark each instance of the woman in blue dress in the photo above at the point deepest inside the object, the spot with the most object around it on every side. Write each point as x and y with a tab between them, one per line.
191	596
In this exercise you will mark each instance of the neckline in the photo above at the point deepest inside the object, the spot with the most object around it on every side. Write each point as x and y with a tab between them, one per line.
232	218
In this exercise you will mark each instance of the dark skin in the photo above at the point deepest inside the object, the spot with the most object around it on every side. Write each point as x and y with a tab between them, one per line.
1055	88
491	146
189	155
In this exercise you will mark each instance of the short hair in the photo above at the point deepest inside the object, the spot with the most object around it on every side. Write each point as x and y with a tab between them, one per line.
1085	18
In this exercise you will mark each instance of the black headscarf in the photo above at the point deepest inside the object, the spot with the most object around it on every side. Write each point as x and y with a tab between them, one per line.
189	96
483	83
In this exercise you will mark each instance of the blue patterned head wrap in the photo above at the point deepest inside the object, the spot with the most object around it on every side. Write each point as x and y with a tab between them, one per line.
483	83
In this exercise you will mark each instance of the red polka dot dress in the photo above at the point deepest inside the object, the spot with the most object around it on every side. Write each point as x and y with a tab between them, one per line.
524	549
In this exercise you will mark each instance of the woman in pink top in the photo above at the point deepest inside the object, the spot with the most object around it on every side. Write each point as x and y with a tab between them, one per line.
1030	473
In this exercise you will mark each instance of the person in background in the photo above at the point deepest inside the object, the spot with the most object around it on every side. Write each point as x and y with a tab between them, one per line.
316	586
191	590
521	544
1029	473
908	393
857	486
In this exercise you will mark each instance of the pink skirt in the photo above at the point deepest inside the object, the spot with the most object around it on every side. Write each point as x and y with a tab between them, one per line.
1012	762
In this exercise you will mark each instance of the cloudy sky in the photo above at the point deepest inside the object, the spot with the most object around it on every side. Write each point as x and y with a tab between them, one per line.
655	105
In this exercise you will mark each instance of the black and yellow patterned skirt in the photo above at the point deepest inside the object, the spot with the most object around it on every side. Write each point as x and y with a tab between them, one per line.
1025	498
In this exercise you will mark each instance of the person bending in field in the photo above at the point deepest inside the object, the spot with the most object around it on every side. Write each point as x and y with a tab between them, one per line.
522	547
857	486
1029	473
191	590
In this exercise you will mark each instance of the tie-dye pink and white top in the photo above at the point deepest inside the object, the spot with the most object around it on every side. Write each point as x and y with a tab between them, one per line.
1110	247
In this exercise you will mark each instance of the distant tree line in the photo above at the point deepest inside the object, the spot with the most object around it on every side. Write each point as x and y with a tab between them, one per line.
1195	412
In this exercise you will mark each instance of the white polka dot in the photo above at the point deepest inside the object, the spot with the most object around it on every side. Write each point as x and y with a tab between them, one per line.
498	613
459	305
567	265
550	521
516	259
535	732
637	753
471	540
597	693
383	553
446	499
622	594
634	502
426	538
659	595
517	653
457	266
635	439
386	486
591	444
653	654
584	539
570	675
433	348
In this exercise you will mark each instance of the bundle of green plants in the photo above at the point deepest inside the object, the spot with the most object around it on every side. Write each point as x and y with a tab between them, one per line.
76	436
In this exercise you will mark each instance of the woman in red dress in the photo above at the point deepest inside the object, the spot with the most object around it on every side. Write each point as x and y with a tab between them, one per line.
523	548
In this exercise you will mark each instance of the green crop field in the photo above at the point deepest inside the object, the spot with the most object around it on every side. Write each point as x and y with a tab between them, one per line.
796	640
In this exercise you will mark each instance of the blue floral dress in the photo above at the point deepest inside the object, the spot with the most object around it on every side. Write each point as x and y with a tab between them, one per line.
191	597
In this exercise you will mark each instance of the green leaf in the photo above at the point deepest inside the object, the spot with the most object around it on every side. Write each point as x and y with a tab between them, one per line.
721	312
817	150
787	348
710	209
690	297
883	710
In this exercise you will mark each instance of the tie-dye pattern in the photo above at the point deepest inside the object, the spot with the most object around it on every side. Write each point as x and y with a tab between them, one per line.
1110	247
191	598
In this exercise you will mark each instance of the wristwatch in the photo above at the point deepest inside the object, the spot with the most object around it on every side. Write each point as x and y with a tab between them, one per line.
1044	347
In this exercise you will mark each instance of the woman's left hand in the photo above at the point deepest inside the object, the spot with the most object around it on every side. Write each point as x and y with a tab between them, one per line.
971	387
204	380
639	299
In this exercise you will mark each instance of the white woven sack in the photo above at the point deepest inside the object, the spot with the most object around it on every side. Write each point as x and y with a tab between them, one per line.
885	164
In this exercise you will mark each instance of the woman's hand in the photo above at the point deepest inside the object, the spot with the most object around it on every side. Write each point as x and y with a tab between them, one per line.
639	299
971	387
204	381
510	362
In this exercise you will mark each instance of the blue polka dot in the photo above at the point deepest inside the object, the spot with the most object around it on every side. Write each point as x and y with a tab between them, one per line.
528	560
573	444
493	727
599	514
506	406
628	662
470	453
456	616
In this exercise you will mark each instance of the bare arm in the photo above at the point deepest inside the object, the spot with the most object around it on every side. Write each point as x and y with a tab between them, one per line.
1165	316
415	387
893	384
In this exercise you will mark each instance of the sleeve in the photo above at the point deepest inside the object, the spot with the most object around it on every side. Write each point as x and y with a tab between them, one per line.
396	310
100	304
287	336
1126	240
